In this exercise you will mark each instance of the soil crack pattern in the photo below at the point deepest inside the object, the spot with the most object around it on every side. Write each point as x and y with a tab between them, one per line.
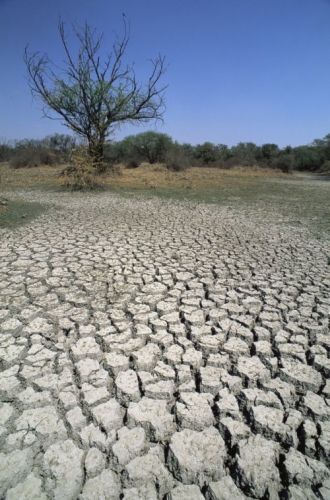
155	349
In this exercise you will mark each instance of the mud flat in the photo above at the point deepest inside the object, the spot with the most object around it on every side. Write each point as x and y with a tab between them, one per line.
157	349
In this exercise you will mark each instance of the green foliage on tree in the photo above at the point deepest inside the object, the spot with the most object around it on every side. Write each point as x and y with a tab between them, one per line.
247	152
207	153
269	151
93	96
308	158
6	149
147	146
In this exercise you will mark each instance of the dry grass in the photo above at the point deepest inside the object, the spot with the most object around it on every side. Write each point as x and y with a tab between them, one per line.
28	177
3	208
293	199
145	177
157	176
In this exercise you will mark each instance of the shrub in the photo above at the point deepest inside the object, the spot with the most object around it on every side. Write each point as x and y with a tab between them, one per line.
325	168
32	157
234	161
106	167
284	162
132	164
80	174
176	161
23	160
222	164
6	150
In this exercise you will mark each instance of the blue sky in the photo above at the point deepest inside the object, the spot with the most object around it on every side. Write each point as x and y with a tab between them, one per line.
239	70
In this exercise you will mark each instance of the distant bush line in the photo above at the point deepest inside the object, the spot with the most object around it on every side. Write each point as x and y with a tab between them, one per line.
153	147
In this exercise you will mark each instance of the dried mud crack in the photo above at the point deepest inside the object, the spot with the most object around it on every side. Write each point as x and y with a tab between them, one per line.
156	349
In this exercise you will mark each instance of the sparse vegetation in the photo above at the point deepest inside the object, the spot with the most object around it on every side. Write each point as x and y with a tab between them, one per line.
133	164
52	150
297	198
176	161
80	174
156	147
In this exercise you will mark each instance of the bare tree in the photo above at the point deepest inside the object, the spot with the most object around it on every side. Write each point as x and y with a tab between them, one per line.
93	97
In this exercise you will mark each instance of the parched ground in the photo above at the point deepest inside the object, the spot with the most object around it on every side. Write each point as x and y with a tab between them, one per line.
157	349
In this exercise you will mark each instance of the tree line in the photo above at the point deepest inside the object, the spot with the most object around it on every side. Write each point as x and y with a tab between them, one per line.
155	147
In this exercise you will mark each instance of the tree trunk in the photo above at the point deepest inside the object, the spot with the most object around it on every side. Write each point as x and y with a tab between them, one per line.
96	152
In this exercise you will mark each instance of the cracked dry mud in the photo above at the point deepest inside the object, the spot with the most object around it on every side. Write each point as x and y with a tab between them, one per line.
156	349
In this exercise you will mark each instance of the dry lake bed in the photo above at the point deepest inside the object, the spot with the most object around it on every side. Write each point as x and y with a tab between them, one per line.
153	349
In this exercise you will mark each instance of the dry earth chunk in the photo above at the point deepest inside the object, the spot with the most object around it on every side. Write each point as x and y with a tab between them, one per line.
225	489
127	387
255	468
86	347
146	358
149	468
64	470
252	370
115	363
233	430
303	377
163	389
304	471
269	422
30	489
94	462
109	415
15	466
314	406
197	457
183	492
210	379
153	416
45	423
227	406
105	486
131	444
194	411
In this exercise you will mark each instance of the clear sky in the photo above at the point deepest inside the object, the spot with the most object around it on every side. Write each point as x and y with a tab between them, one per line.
239	70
